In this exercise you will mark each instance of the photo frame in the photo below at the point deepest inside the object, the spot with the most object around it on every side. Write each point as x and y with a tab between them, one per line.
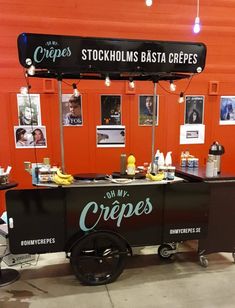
111	109
110	136
145	117
227	110
194	109
72	114
192	134
30	137
29	111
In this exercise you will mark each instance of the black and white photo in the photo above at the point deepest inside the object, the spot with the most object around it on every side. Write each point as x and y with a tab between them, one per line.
194	109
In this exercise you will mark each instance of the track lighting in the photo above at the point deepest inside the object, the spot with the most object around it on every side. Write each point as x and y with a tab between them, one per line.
197	26
149	2
75	90
131	84
107	81
181	98
172	86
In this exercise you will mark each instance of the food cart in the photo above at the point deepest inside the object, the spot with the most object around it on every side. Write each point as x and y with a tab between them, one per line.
98	223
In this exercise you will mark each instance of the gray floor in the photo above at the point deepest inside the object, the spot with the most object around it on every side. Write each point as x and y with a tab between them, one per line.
146	282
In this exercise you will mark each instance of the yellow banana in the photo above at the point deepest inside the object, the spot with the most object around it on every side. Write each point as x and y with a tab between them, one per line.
62	175
157	177
60	181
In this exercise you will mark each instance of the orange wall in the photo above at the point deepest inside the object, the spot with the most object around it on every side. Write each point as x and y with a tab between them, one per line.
165	20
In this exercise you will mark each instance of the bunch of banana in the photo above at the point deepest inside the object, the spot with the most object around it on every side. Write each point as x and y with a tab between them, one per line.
62	179
158	177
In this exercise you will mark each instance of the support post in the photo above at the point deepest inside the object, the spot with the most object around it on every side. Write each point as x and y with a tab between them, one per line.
61	126
154	124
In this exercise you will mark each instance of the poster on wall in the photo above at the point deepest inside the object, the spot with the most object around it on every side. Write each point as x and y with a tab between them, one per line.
192	134
227	110
194	109
110	136
29	111
72	110
110	109
146	110
30	137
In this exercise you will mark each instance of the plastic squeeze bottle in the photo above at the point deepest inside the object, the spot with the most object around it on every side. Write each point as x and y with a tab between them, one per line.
131	165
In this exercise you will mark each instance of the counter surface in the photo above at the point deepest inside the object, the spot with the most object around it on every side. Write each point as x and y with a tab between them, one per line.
199	175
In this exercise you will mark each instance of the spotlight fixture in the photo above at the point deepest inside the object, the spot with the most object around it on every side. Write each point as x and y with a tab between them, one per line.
181	98
75	90
149	2
197	26
172	86
107	81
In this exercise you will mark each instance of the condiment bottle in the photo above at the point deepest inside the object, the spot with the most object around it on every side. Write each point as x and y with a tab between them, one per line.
131	165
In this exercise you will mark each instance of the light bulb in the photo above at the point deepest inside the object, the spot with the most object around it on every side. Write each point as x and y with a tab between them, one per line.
31	70
107	81
132	84
197	26
181	98
75	90
24	90
148	2
172	86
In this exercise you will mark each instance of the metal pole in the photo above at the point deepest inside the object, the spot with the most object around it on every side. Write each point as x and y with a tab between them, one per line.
154	124
61	126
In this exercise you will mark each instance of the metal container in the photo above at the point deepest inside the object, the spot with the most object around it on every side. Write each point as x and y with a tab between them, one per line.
217	150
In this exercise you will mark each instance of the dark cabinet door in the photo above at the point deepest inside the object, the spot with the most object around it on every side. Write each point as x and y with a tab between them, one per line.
36	220
186	211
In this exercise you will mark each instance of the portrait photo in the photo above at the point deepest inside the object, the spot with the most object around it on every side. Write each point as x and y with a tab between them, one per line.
29	111
146	110
110	109
30	137
227	110
72	110
194	109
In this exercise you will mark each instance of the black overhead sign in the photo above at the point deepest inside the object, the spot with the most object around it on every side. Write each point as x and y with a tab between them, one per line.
75	55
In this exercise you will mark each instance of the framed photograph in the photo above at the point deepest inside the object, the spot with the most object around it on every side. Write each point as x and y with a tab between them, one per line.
30	137
194	109
72	110
146	110
29	112
111	110
192	134
110	136
227	110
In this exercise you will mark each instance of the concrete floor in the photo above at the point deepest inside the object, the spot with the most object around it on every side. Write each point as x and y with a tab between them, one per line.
146	282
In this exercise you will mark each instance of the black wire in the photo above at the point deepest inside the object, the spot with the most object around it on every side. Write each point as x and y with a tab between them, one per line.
173	93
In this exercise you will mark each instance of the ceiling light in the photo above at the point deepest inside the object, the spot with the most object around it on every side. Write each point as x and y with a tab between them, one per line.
197	26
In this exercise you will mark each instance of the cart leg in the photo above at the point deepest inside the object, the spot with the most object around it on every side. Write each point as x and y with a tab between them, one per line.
203	260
